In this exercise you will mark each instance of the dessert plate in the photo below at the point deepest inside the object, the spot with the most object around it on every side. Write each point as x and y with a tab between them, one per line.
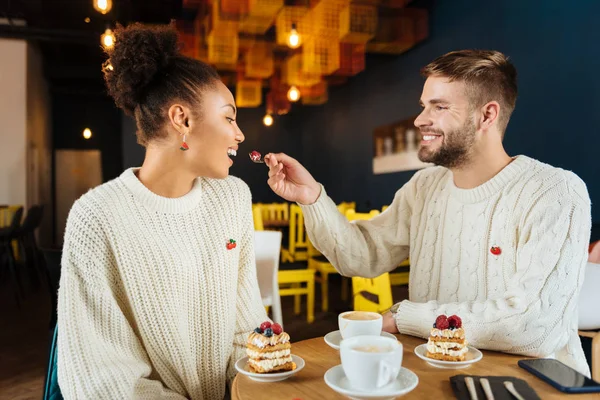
242	367
472	356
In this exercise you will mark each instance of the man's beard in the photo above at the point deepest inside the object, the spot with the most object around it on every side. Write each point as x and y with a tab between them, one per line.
455	150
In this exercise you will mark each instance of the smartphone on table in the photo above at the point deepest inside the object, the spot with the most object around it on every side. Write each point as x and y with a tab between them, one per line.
559	375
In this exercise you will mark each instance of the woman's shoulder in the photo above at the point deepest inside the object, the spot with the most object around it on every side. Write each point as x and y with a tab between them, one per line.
98	203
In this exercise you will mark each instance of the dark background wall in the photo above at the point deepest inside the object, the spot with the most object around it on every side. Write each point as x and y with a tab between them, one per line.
73	111
554	47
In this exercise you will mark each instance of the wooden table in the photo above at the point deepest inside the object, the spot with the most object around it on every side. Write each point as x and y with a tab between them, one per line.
434	383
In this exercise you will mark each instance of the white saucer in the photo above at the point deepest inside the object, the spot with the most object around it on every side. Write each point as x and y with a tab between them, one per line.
336	379
334	338
472	356
242	367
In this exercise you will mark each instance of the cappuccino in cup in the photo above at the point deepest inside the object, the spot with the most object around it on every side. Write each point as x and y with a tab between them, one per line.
361	316
359	323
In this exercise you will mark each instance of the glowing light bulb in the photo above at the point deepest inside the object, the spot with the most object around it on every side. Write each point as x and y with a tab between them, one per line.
103	6
268	120
293	38
107	39
87	133
293	94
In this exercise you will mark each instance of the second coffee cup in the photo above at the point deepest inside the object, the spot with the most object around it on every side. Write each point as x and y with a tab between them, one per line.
359	323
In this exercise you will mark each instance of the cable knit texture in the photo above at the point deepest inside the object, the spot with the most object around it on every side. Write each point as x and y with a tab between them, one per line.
523	301
152	305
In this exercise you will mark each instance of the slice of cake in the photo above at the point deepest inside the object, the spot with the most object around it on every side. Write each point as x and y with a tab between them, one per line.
447	340
269	349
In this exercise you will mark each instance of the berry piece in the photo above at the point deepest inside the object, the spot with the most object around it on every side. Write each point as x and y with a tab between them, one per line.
230	246
454	321
255	156
257	330
441	322
496	251
277	329
268	332
265	325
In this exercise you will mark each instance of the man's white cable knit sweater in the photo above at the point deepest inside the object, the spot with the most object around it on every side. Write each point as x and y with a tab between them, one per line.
152	304
522	301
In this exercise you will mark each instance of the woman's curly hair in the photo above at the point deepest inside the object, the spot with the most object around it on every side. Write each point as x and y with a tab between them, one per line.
146	73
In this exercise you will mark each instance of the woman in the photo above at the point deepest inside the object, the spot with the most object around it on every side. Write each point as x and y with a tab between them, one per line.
158	290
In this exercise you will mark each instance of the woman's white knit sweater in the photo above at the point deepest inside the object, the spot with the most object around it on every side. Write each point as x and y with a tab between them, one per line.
152	304
523	300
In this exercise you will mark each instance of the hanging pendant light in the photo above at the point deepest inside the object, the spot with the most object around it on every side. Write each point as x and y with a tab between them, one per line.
268	120
103	6
107	39
293	40
293	94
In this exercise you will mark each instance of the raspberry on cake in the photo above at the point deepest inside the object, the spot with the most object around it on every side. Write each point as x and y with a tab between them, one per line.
447	340
269	349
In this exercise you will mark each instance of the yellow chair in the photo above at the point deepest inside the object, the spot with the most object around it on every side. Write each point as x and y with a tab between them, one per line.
297	243
295	278
372	294
401	277
274	212
321	264
6	217
290	281
257	217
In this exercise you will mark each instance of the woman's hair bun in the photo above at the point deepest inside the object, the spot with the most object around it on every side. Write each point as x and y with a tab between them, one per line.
140	55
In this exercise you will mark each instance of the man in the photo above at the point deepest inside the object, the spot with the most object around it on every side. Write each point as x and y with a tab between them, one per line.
499	241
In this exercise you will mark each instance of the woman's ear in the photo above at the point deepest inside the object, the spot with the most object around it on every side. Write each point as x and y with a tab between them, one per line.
179	118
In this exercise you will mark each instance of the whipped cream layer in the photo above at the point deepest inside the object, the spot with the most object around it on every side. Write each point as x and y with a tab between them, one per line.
268	355
434	348
448	333
270	364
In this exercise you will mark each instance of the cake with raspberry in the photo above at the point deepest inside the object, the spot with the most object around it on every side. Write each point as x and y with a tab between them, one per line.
447	340
269	349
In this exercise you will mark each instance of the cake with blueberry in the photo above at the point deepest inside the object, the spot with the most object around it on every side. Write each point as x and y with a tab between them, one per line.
447	340
269	349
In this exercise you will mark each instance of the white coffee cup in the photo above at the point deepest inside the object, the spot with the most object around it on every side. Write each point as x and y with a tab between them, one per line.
358	323
371	362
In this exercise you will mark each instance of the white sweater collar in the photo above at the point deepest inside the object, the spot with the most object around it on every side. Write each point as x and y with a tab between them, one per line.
158	203
491	187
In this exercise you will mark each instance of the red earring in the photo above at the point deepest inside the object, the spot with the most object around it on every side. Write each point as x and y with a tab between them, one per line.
184	145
